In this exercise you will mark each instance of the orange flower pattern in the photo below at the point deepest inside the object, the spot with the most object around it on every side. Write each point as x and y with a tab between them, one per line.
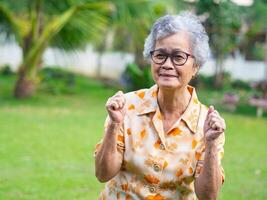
158	165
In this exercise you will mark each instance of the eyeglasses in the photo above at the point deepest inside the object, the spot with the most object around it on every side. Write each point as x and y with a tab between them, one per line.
178	58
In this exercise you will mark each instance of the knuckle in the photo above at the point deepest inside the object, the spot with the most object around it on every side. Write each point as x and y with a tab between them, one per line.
213	115
107	103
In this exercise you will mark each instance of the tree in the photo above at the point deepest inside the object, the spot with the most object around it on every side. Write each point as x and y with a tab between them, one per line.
223	25
254	43
128	28
131	24
36	24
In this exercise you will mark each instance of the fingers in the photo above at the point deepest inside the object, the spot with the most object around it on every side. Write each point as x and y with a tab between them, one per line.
214	120
120	99
114	105
116	102
217	125
210	110
212	135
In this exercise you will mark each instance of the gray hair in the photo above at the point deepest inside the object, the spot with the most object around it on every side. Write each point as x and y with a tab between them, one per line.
171	24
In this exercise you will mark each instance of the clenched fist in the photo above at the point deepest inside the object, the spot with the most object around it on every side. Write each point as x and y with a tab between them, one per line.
214	125
116	107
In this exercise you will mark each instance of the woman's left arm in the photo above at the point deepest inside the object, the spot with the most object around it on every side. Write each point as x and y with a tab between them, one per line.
209	181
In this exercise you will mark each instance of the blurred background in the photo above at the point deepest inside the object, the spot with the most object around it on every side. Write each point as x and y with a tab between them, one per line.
61	60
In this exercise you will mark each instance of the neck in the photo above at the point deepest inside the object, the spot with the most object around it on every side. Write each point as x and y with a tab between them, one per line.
173	101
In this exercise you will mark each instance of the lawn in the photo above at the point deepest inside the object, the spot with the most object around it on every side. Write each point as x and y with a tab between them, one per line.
47	142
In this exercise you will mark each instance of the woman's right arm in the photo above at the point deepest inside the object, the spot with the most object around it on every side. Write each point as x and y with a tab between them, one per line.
108	159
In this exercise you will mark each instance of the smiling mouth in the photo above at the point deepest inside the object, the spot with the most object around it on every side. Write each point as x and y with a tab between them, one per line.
167	75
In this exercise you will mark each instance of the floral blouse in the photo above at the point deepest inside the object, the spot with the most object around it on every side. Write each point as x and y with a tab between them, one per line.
158	165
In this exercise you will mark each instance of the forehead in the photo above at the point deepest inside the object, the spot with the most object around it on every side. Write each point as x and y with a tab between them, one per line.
179	40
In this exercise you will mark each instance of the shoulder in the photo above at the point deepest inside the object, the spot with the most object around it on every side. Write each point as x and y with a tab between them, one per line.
141	99
136	95
204	108
135	98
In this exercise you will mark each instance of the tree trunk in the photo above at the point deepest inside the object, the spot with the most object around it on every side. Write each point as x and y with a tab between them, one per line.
139	59
265	73
219	73
99	64
107	44
26	83
25	87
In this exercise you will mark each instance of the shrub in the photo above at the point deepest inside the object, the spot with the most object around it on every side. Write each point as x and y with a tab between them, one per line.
6	70
205	81
239	84
135	78
56	81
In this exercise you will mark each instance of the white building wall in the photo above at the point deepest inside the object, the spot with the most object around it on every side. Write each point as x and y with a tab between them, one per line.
238	68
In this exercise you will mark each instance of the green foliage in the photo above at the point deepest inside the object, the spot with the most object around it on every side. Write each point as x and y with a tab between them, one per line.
36	25
227	80
240	84
223	25
6	70
207	81
71	24
256	17
254	39
135	78
133	21
82	27
253	46
57	81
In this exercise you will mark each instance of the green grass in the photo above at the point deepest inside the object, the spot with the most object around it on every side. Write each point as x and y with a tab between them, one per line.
47	142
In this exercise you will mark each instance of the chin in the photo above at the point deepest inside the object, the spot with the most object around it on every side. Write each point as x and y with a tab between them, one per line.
169	85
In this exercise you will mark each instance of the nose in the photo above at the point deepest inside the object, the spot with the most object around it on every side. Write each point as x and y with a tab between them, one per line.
168	65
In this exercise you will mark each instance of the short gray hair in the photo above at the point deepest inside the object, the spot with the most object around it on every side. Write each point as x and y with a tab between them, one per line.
171	24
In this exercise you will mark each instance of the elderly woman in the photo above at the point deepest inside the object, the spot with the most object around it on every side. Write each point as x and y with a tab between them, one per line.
162	143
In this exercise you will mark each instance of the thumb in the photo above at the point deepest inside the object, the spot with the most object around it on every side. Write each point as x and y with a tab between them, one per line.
211	109
119	92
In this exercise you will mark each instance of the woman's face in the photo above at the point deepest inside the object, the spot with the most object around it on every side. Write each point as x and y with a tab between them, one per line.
168	75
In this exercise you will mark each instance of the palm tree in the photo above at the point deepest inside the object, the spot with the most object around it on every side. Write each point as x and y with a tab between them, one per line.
36	24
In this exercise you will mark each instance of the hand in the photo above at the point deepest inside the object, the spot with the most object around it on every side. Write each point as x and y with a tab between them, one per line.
116	107
214	125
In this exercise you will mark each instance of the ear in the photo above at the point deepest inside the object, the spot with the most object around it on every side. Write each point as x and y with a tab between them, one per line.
195	69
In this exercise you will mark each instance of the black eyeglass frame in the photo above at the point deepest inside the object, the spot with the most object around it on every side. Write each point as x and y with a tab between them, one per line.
171	55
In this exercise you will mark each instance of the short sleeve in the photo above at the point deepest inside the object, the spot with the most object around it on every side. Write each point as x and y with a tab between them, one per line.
200	157
120	138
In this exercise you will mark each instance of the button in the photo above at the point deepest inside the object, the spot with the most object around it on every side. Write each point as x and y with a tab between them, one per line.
156	167
152	189
161	146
